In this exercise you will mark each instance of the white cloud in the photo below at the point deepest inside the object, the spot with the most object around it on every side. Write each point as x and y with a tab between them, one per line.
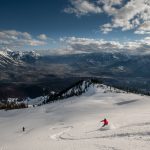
42	37
82	7
134	14
129	16
108	6
13	38
86	45
144	28
106	28
147	39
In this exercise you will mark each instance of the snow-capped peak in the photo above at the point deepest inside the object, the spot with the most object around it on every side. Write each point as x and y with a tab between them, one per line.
8	56
87	87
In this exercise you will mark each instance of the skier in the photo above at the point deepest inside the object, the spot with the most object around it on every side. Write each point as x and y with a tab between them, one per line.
105	121
23	129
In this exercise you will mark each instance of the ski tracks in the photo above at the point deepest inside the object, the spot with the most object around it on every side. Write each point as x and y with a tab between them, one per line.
57	136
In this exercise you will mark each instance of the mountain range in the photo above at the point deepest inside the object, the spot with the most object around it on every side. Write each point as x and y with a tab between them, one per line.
25	73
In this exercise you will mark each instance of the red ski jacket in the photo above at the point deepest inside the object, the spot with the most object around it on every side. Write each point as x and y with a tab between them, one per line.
105	121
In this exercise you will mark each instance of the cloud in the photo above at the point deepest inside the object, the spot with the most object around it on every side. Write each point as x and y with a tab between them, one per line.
147	39
143	28
86	45
82	7
133	14
42	37
106	28
13	39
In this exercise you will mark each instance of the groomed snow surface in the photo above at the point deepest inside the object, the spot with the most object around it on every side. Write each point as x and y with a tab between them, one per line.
74	123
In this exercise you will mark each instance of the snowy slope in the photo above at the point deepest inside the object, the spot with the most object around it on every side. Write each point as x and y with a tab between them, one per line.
74	123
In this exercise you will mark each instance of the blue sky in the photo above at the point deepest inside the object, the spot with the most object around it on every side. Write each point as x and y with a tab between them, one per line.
40	24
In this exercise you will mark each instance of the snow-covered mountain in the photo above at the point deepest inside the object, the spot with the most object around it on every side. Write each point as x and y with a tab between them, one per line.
79	88
74	90
44	71
9	57
74	123
5	59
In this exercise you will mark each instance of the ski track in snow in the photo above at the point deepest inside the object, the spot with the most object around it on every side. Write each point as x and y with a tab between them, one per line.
122	132
145	136
57	136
